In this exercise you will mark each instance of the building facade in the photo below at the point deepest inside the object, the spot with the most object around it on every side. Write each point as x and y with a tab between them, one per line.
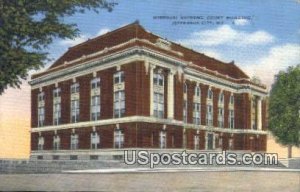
130	88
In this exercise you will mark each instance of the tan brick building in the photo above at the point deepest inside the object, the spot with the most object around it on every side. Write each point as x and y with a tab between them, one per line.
130	88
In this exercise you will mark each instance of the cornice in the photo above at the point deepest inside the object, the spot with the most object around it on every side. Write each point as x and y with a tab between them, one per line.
144	119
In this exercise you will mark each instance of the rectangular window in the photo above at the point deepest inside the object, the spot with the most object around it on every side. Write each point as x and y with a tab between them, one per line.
41	143
220	117
196	114
75	110
57	113
95	83
231	119
162	140
41	109
95	140
41	116
56	142
56	106
158	105
118	139
75	102
185	111
119	77
74	141
75	88
196	142
95	107
95	99
158	79
119	104
209	115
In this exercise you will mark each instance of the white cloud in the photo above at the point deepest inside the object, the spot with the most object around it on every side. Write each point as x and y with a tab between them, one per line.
82	38
241	22
75	41
226	35
103	31
278	58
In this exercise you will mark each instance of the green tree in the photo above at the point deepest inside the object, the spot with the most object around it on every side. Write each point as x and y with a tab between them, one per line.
284	110
28	27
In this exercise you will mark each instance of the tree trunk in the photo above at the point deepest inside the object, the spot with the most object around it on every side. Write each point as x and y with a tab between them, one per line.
289	151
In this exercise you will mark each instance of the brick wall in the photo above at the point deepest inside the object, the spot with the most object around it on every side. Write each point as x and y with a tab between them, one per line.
204	89
178	97
34	107
49	104
65	101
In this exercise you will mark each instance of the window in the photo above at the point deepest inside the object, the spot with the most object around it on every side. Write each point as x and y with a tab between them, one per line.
95	107
230	144
56	106
196	114
95	140
158	95
118	139
152	139
95	83
158	79
185	111
209	115
75	102
184	139
41	109
41	116
57	113
254	125
56	142
95	99
221	98
41	97
158	105
220	117
197	91
75	110
196	142
119	104
119	77
73	157
210	94
41	143
74	141
162	140
75	88
184	88
231	100
231	119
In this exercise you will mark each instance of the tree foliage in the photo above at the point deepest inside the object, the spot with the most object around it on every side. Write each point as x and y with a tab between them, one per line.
27	27
284	110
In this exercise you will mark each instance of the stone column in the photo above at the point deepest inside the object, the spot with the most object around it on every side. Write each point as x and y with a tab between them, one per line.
151	88
259	113
171	94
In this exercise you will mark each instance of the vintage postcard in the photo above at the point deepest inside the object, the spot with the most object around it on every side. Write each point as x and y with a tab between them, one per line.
119	95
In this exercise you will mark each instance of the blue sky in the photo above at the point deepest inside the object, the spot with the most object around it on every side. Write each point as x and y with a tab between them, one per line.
268	40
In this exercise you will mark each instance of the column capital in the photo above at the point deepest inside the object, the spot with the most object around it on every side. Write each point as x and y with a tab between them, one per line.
172	72
152	66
